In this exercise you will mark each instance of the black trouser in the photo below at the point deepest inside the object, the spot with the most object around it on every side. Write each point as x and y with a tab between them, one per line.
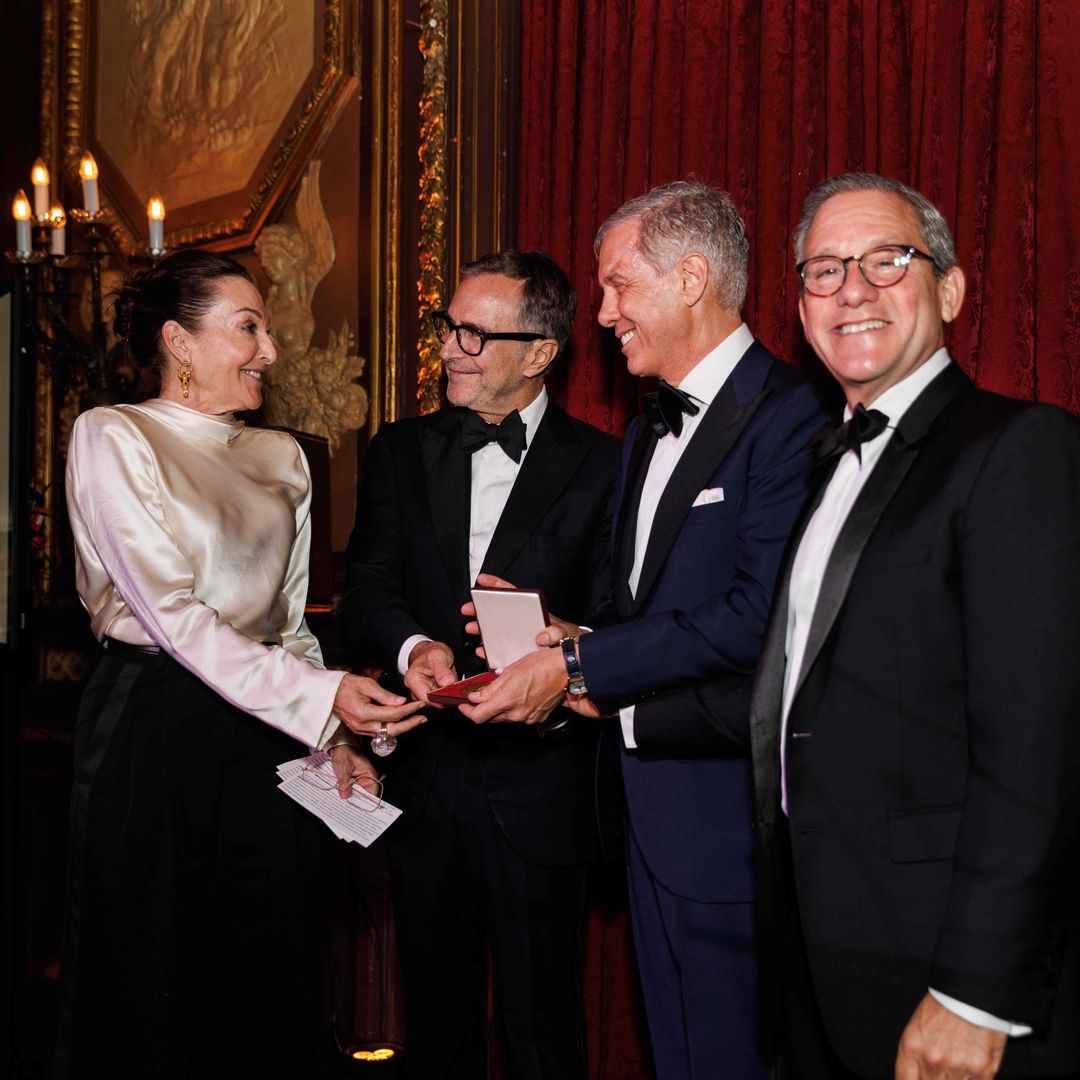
192	943
459	887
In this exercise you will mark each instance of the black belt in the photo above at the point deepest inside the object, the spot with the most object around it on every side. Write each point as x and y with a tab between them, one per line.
127	651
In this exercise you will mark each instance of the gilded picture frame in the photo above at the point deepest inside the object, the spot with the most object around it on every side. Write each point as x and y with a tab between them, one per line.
218	109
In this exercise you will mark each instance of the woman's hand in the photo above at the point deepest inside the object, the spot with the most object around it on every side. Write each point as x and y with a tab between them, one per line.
364	707
352	768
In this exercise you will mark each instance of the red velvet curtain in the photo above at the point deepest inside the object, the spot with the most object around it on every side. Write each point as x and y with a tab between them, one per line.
974	102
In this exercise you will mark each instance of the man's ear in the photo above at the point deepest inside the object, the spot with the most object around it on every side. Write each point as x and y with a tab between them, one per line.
951	289
540	357
693	272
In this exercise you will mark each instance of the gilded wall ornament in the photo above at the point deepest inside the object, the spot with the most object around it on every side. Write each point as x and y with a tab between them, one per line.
433	201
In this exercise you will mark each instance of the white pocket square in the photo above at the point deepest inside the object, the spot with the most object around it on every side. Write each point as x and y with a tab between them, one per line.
709	495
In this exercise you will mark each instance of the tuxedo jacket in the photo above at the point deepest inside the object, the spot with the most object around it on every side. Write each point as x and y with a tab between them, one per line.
933	747
700	610
408	573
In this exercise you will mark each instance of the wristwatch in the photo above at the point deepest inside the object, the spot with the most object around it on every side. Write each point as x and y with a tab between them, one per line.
575	681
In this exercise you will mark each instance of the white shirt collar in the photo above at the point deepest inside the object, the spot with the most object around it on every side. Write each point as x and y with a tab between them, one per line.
705	378
896	401
532	414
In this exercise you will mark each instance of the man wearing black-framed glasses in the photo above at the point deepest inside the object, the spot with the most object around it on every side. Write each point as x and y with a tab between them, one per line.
497	830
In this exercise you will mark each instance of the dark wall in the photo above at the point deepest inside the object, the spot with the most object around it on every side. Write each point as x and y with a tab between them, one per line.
20	60
20	67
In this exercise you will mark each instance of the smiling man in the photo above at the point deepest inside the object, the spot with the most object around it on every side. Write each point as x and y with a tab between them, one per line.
498	826
714	475
915	718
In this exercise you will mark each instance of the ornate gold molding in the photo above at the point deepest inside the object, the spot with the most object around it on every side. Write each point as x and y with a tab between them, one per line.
433	201
482	119
385	179
48	84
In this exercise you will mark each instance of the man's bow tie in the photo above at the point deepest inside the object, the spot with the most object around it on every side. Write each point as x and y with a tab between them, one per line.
510	434
864	425
664	409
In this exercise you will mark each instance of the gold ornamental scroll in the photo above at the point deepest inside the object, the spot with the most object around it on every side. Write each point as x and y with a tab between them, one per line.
433	202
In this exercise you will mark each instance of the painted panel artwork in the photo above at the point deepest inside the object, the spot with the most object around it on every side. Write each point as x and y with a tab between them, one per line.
205	87
216	106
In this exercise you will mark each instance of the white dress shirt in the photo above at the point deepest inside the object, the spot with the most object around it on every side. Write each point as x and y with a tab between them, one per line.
493	475
702	383
808	571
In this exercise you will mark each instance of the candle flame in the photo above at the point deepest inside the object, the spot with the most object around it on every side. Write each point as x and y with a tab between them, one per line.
155	208
20	206
57	217
39	174
88	169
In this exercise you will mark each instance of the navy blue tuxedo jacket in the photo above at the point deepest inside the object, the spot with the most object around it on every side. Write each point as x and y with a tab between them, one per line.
699	611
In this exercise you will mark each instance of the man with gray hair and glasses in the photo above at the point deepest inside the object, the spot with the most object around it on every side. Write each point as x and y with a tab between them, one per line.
713	475
916	715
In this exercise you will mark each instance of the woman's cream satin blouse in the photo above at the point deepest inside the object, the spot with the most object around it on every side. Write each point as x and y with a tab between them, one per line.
192	533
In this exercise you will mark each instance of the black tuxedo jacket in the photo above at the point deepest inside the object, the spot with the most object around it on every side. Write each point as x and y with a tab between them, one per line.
933	747
408	573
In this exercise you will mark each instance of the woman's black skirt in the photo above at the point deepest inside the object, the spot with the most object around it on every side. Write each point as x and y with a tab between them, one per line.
193	942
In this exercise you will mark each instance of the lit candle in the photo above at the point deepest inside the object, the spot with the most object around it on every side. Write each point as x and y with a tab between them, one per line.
58	223
155	216
39	177
21	209
89	172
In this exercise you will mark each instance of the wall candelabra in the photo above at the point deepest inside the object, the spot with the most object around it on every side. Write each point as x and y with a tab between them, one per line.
65	336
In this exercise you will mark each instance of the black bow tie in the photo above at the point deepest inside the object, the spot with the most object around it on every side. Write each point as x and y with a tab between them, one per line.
664	409
510	434
864	425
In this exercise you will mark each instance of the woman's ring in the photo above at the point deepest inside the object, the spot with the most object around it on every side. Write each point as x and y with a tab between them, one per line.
384	743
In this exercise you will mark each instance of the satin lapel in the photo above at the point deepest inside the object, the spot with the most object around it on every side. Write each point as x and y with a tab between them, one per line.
552	460
765	706
447	472
626	527
720	429
892	467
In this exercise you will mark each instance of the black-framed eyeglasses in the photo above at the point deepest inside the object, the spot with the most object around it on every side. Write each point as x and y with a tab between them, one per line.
880	267
470	340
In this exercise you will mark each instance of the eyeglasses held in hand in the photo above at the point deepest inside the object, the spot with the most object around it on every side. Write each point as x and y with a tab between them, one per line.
370	790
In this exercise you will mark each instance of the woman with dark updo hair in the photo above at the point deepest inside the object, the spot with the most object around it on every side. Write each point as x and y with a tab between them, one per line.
191	945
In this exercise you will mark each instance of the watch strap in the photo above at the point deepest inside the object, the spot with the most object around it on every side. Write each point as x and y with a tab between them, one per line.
575	679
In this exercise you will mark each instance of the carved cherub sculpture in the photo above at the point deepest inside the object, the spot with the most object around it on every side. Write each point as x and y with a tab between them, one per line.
309	389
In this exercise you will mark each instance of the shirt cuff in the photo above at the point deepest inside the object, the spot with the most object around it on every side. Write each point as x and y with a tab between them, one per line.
342	737
403	652
626	721
978	1017
333	724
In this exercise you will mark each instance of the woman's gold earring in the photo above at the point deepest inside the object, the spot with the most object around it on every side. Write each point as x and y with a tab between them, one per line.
183	372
